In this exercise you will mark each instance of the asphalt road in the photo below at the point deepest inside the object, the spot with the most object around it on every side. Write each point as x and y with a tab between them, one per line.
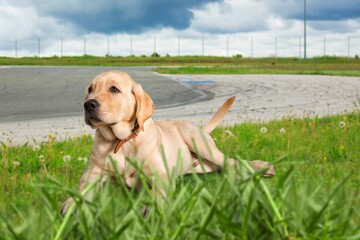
49	99
28	93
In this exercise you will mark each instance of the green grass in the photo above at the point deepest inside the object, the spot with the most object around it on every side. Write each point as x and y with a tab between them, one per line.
206	64
256	70
315	194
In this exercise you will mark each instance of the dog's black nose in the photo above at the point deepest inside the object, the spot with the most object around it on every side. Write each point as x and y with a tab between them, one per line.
91	105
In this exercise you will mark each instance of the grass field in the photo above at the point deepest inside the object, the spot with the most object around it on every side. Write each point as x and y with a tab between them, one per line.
207	64
315	194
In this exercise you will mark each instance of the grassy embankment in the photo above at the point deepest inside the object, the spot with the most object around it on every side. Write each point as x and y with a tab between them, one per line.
207	64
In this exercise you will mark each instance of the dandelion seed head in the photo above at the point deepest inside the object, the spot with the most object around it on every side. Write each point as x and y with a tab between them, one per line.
228	132
282	131
263	130
36	148
66	158
16	164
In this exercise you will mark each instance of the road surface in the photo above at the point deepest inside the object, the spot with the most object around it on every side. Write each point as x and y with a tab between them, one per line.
49	99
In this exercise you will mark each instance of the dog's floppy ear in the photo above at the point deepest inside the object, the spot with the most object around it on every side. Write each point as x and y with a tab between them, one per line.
144	105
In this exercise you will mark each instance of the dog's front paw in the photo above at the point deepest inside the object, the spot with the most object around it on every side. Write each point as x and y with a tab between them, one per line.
66	205
258	165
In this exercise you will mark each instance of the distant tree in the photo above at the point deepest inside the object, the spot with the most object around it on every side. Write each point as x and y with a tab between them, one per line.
237	56
155	54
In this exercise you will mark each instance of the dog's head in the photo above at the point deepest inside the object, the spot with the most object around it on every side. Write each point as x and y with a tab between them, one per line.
113	97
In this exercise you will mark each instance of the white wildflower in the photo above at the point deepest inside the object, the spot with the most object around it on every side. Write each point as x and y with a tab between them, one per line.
282	131
342	124
228	132
263	130
36	148
16	164
67	158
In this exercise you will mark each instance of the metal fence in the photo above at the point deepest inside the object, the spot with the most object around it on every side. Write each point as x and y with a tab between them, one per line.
125	45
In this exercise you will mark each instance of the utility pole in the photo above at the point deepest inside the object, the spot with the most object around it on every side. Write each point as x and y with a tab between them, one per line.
131	46
108	47
252	47
61	47
16	47
203	45
304	29
154	44
299	47
349	47
84	46
38	47
227	46
275	49
324	47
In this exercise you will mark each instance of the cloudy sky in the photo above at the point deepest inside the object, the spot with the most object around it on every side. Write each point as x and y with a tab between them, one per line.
186	27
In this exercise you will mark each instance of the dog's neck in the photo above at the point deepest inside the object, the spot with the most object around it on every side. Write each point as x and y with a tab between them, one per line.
120	131
133	134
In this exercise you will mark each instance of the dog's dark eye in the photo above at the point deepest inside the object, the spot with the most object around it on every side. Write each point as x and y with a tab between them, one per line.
90	89
114	89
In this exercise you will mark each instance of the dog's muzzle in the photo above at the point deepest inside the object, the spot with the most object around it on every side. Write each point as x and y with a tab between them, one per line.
91	106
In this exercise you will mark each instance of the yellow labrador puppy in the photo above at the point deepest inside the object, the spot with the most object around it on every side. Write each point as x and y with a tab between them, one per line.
120	111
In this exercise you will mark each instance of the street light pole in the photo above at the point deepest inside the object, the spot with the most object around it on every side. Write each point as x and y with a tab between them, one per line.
304	29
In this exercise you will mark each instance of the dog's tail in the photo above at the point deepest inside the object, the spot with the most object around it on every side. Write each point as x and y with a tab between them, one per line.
219	115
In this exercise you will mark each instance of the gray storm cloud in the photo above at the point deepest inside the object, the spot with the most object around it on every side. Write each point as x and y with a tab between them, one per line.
116	16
